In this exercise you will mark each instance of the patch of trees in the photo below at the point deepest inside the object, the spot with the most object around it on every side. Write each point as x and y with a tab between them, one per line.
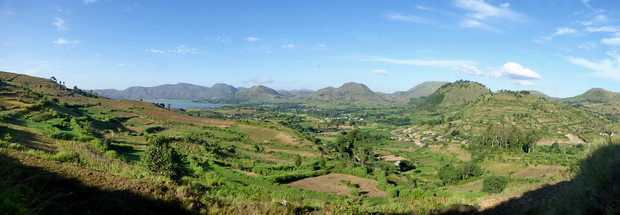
509	137
450	174
494	184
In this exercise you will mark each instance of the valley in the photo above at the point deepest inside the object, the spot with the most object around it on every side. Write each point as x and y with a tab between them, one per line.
439	148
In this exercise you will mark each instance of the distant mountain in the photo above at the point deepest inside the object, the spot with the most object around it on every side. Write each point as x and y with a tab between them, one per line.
254	94
595	95
541	95
451	95
294	92
420	90
180	91
349	92
599	101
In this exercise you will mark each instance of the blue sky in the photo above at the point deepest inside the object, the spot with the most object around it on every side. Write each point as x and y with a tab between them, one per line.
562	48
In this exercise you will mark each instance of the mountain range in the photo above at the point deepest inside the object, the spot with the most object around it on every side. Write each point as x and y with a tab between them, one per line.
348	92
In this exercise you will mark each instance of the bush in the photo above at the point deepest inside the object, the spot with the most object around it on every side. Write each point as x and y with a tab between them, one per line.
354	191
161	159
494	184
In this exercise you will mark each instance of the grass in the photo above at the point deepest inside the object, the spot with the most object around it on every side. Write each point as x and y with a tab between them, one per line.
498	168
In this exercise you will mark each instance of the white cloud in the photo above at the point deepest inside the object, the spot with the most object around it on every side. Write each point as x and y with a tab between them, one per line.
471	70
319	45
435	63
381	72
525	83
481	10
505	5
6	44
605	68
89	1
471	23
561	31
408	18
60	24
262	81
62	41
7	12
597	20
156	51
602	29
251	39
288	46
517	72
612	41
182	49
122	64
588	46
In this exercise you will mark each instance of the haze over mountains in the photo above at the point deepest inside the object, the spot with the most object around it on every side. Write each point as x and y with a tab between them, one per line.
351	91
348	92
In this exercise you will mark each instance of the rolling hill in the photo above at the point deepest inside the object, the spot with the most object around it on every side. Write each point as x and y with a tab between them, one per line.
420	90
349	92
598	101
180	91
451	96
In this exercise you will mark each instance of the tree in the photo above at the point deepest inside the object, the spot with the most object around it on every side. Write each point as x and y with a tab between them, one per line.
322	162
297	160
494	184
162	159
53	79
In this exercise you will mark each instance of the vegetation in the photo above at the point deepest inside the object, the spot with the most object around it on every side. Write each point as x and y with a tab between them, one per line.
373	153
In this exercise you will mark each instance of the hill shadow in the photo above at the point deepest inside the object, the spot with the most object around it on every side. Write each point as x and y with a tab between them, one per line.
54	193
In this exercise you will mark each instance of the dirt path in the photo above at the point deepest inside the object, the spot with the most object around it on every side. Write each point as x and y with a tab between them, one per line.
330	183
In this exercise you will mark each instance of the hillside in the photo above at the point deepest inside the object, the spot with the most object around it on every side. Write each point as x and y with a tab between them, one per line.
526	112
598	101
181	91
349	92
451	96
541	95
420	90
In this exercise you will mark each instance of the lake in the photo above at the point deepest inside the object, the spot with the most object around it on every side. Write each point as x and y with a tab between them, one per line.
185	104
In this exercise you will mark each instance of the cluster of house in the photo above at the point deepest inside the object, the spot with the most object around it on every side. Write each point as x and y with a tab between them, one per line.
418	137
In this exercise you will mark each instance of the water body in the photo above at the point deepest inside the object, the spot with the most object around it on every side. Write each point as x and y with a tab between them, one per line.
185	104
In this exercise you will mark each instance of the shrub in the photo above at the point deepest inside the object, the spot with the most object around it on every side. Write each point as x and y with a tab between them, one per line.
161	159
354	191
494	184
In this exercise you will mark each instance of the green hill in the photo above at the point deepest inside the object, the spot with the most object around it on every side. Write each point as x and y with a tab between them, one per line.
349	92
451	96
598	101
257	93
524	111
181	91
420	90
541	95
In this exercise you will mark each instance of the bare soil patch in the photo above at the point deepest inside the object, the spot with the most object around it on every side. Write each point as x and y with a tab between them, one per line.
540	171
412	149
299	152
452	150
471	186
392	158
330	183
